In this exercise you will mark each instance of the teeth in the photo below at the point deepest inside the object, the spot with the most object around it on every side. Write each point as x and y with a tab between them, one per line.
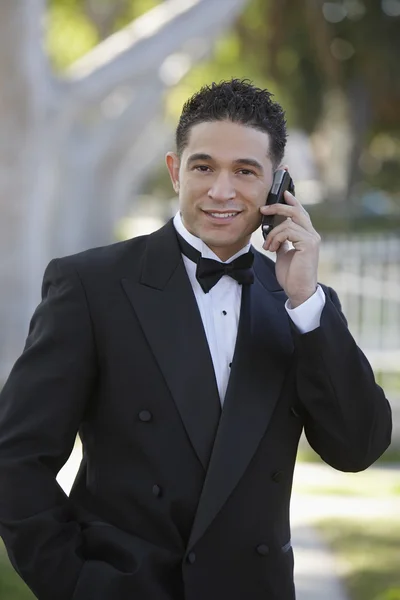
223	215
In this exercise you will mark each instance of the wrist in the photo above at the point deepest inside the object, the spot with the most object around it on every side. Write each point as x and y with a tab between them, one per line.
298	299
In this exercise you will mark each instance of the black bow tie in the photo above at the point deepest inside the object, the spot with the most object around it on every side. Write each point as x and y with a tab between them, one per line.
209	271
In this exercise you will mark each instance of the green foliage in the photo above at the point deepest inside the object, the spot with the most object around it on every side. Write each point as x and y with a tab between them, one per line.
290	48
393	594
391	456
11	586
226	62
71	32
293	42
375	484
134	9
369	551
285	45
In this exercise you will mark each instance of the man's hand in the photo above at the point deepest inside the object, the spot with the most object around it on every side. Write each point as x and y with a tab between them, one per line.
296	268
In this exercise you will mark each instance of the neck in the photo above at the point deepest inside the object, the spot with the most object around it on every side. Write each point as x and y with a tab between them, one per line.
225	254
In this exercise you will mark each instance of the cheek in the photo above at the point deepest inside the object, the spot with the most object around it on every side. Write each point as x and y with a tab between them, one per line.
254	203
255	194
192	188
259	198
188	203
192	194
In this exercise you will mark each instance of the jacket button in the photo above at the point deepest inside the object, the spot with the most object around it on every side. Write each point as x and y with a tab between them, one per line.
145	415
262	549
156	490
277	476
191	557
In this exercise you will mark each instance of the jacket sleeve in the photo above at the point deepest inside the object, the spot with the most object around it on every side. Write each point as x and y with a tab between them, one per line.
347	417
41	407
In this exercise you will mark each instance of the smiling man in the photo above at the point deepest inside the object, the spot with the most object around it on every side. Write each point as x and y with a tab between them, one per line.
222	176
190	364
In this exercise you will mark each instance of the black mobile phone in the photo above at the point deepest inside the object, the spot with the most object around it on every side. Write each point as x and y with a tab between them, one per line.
281	182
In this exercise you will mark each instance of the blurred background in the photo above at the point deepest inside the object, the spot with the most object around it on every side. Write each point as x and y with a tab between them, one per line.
90	95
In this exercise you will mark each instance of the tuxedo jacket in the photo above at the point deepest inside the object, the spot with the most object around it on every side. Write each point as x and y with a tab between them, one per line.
175	499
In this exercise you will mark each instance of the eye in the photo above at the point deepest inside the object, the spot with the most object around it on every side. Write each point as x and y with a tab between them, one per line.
202	168
246	172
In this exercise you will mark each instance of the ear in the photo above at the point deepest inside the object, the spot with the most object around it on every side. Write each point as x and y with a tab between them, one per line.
283	166
173	163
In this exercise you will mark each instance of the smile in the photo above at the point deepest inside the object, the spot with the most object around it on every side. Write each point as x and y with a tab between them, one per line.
222	215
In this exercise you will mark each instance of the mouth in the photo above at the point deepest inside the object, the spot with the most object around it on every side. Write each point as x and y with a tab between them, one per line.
221	215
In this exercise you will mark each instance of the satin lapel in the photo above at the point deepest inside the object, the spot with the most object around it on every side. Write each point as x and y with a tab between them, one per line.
262	355
166	307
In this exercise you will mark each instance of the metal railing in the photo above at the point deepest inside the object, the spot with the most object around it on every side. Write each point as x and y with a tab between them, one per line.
365	272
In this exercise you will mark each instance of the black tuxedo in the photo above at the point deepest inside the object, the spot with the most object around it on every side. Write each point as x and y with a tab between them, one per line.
174	499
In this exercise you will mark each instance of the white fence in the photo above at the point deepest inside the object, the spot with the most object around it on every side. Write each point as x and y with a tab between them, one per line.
365	272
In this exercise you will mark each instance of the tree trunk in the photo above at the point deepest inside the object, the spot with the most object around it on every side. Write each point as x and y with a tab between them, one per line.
73	151
333	143
25	91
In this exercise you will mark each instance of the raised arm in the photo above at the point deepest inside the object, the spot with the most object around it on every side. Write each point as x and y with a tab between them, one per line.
347	417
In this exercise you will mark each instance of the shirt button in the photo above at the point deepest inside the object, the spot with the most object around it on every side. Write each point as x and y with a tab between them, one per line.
262	549
224	313
191	558
230	364
145	416
156	490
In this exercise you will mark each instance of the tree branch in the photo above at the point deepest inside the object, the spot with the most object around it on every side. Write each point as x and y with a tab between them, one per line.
141	102
138	165
104	16
117	135
142	46
24	70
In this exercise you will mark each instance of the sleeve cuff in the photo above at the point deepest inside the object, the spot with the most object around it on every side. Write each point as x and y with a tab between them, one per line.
307	316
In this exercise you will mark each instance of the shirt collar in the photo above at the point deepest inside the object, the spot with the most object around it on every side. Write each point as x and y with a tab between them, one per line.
197	243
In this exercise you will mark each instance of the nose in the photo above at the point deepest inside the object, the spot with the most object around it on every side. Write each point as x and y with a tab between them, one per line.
222	188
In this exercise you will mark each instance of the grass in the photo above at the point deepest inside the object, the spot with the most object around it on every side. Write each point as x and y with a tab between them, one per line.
367	548
355	490
372	483
11	586
307	454
368	553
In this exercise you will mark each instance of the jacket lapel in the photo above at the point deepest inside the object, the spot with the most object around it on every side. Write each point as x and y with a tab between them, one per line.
167	310
263	349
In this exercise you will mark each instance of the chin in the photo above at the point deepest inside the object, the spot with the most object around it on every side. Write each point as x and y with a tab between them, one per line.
217	239
224	243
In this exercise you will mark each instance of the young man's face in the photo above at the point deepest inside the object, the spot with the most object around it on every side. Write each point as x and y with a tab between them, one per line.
223	178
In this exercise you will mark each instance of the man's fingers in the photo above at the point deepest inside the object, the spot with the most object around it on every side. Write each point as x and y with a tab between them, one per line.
291	232
291	200
292	211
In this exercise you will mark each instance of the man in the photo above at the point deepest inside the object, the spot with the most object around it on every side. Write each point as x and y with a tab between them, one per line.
190	387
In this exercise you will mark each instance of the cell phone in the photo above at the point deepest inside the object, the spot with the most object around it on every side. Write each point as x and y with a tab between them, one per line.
281	182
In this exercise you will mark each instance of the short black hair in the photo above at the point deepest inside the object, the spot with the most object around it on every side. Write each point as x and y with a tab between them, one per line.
238	101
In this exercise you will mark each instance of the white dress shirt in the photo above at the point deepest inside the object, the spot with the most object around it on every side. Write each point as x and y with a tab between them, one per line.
220	308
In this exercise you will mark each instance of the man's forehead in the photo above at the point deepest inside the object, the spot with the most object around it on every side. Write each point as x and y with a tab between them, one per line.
228	140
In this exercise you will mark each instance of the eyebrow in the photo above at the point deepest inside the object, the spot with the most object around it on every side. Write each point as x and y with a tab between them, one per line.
198	156
251	162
